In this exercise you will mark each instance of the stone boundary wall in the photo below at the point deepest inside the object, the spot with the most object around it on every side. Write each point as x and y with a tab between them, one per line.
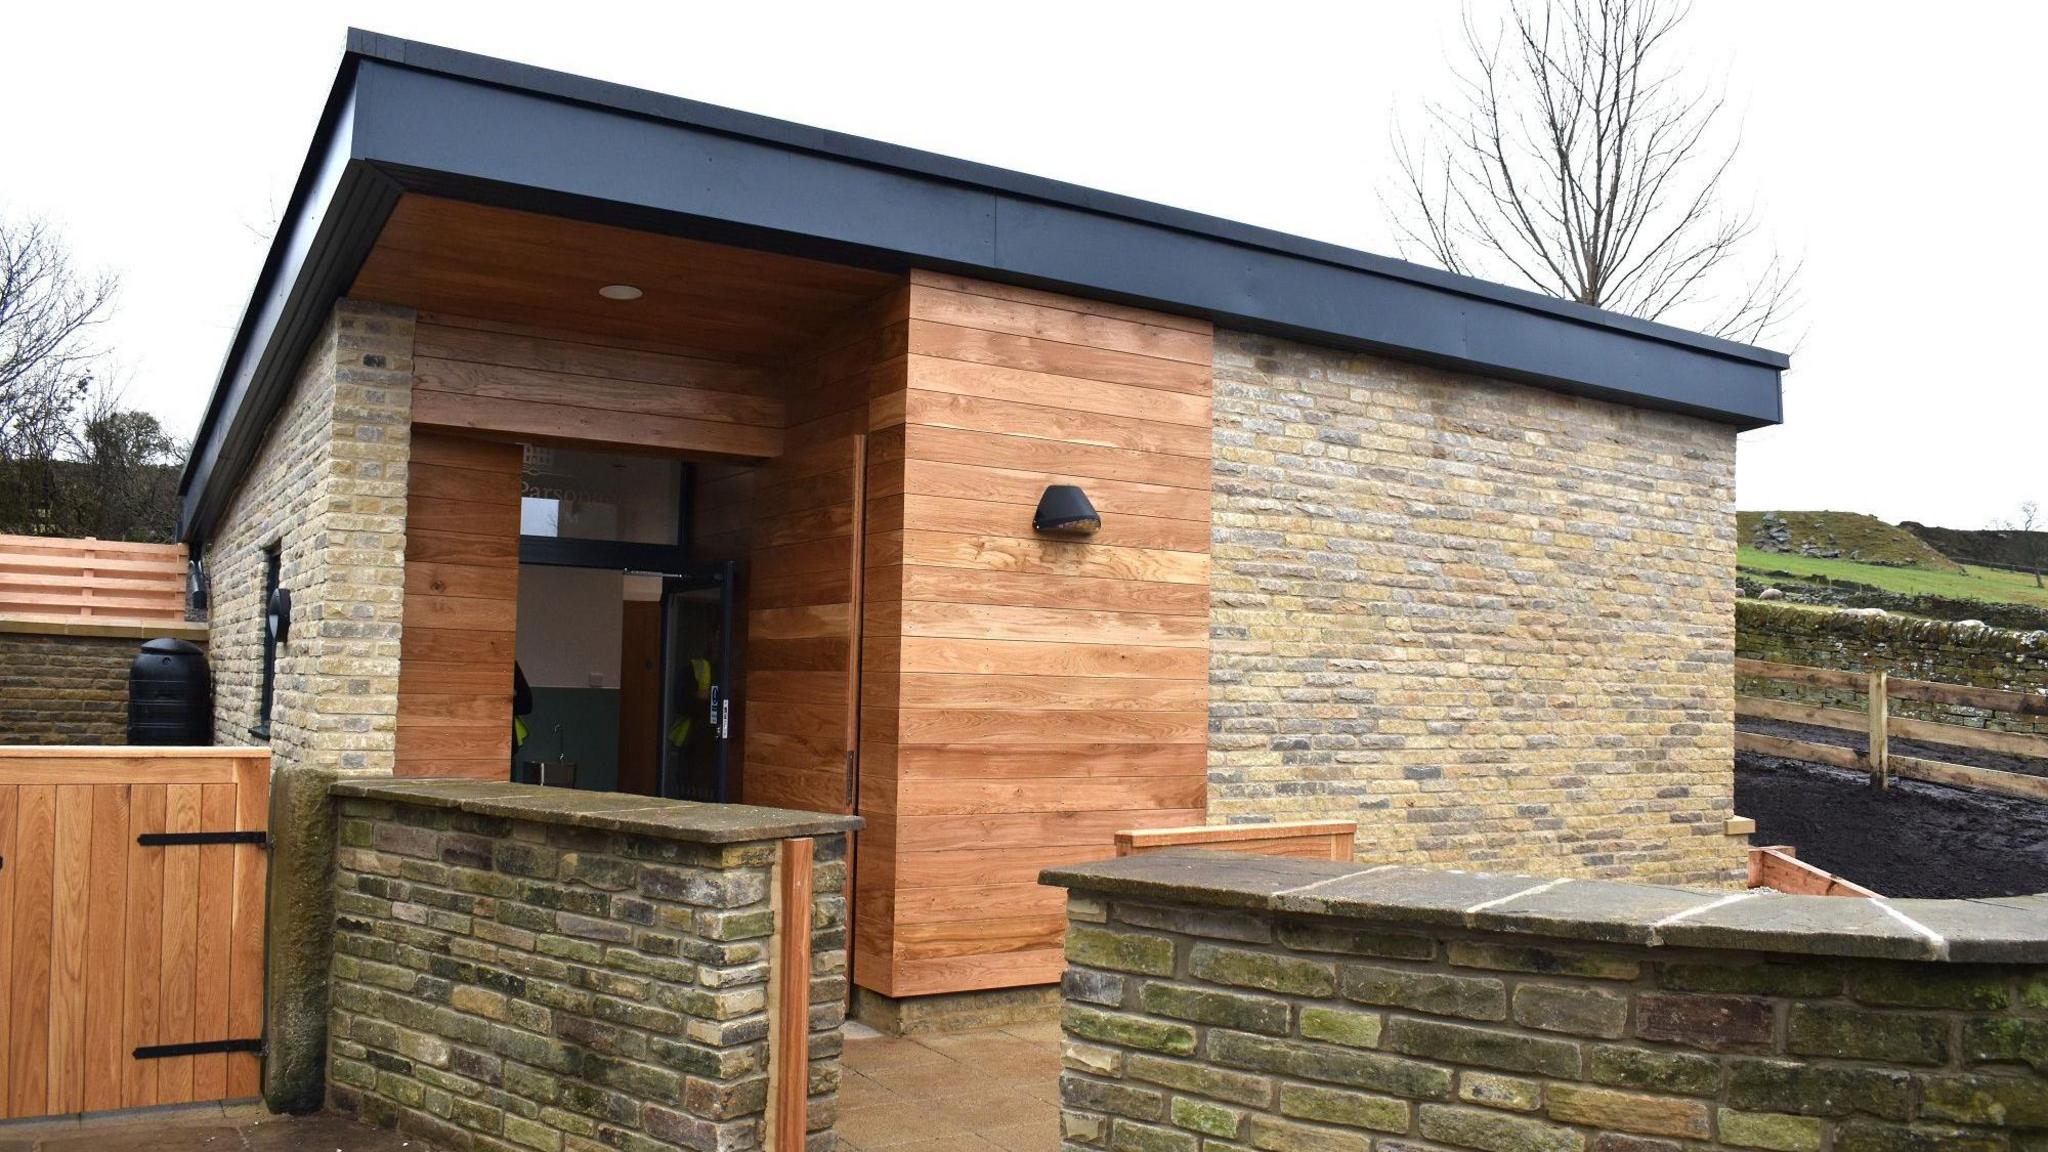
1905	647
1220	1003
68	683
518	967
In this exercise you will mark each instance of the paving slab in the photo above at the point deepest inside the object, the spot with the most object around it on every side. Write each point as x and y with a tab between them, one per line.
202	1128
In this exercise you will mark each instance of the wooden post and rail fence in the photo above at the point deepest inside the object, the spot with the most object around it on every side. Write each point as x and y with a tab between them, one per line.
1879	726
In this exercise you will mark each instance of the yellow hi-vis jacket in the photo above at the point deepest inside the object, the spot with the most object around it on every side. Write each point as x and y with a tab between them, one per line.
679	732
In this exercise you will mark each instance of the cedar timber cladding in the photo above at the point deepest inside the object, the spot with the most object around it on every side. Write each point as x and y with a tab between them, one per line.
1025	698
461	608
803	586
509	382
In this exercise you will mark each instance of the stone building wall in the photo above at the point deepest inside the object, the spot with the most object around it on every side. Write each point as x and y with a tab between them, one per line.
1194	1022
1492	623
60	687
535	981
327	489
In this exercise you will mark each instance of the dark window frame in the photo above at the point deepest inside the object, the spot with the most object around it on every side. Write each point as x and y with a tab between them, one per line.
273	565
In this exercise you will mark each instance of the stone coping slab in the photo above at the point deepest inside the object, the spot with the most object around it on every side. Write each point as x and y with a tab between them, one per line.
607	811
2004	930
103	628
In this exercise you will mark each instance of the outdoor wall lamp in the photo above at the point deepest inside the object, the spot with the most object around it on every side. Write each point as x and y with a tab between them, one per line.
1065	509
196	592
279	613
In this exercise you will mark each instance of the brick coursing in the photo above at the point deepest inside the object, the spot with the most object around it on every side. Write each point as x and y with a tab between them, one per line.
64	689
1905	647
1193	1029
503	984
1492	623
328	488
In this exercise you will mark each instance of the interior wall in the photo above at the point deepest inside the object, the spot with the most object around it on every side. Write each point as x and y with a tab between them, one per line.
1025	698
570	627
461	608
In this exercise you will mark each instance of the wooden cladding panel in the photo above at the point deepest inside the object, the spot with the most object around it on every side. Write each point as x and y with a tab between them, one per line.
461	608
804	615
107	945
1025	698
494	379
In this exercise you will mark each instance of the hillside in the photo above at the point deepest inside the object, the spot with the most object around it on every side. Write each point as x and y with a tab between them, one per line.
1837	535
1991	546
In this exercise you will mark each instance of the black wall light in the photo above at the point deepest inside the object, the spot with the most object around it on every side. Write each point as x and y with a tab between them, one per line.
279	613
1065	509
196	591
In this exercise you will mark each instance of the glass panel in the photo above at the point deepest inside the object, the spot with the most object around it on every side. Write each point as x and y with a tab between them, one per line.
693	693
596	496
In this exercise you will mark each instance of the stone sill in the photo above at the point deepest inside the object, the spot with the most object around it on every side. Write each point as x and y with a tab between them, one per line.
111	628
2005	930
607	811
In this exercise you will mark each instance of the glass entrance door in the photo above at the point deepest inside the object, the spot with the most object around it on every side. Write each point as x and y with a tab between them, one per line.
696	692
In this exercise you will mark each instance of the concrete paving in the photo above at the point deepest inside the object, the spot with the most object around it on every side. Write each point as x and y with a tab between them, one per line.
995	1090
201	1128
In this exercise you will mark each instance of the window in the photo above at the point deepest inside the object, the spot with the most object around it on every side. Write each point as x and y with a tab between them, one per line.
270	578
588	496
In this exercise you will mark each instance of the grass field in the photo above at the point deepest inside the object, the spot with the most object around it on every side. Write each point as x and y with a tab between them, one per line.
1979	584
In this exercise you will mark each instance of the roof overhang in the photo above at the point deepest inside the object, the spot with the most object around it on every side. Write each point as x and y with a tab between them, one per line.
410	117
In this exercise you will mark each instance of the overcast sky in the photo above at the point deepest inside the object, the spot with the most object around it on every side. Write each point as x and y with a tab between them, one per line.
1889	145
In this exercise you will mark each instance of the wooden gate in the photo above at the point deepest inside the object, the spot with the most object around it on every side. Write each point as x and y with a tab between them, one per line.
131	926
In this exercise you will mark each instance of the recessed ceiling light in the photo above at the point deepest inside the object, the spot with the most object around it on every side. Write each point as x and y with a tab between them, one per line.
619	292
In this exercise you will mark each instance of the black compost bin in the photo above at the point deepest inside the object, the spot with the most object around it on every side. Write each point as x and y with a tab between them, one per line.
170	695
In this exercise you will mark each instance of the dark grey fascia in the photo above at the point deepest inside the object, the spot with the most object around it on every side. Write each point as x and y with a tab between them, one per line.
406	116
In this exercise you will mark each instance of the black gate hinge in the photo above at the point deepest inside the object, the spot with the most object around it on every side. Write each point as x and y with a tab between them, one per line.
197	1048
186	839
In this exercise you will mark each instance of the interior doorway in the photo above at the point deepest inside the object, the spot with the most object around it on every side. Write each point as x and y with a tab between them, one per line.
629	680
624	646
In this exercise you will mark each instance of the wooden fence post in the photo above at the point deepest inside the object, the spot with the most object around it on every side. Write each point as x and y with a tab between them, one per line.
787	1121
1880	736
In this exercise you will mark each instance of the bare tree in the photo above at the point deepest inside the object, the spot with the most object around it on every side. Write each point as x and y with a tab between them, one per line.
73	462
47	359
1576	160
2030	541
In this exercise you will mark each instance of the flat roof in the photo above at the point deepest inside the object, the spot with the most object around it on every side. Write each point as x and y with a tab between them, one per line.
404	116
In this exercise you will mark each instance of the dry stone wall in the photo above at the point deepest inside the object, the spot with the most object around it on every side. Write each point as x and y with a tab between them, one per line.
1198	1017
1491	623
1905	647
511	974
63	689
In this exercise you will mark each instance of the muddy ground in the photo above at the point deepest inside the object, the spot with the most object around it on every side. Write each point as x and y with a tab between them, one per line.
1915	840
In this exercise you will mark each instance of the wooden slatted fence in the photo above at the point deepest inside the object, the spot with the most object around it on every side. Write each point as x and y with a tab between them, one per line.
1879	727
52	578
113	943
